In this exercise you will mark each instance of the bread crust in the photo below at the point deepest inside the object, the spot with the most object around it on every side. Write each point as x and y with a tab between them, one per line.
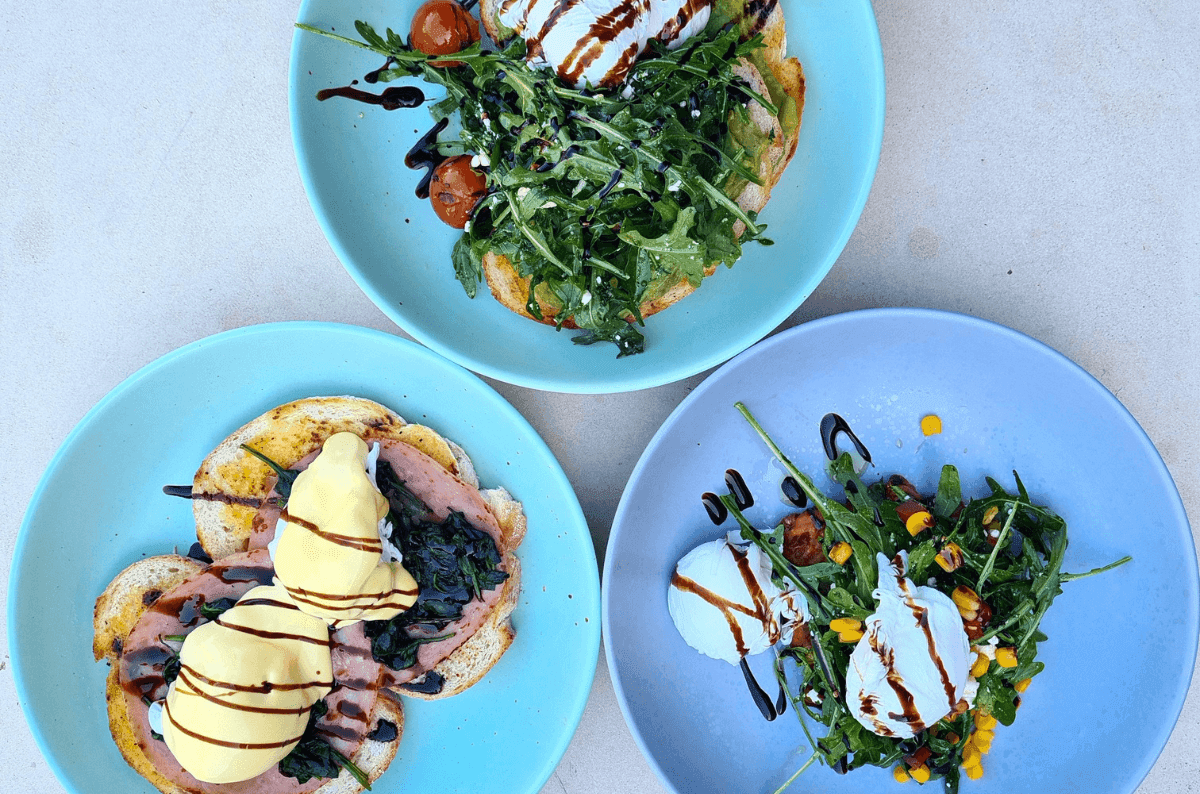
511	289
117	612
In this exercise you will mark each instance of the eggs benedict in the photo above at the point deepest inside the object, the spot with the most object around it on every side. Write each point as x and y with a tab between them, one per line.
329	556
246	684
261	671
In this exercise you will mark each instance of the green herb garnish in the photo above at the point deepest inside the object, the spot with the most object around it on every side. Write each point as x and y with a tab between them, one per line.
1012	554
603	200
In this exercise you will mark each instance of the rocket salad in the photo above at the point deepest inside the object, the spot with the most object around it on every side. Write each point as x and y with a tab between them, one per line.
603	201
999	558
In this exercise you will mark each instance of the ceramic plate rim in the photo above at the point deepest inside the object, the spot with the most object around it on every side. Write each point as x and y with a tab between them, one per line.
720	351
573	514
868	315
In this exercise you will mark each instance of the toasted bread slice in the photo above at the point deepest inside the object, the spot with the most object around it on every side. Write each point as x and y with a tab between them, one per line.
291	432
756	16
118	610
128	595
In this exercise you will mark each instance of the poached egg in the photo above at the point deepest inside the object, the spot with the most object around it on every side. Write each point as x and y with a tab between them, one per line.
910	669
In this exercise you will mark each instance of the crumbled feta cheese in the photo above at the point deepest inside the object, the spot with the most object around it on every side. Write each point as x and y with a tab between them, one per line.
549	205
627	91
586	299
696	113
522	192
674	186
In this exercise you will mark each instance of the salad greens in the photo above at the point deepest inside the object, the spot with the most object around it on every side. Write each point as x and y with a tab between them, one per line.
1011	558
604	201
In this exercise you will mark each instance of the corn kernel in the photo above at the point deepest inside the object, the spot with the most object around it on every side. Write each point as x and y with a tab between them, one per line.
901	774
990	515
918	522
974	772
984	722
1006	657
950	558
921	774
966	599
983	741
840	552
1023	684
971	755
980	667
850	636
845	624
931	425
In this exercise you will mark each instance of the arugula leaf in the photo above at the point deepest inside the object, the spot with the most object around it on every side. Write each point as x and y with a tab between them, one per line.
949	493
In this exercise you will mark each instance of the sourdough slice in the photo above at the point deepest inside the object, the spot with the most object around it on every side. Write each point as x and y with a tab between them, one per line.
129	594
294	431
785	85
118	610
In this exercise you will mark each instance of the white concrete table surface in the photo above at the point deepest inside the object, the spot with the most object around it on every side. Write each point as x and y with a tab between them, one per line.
1040	168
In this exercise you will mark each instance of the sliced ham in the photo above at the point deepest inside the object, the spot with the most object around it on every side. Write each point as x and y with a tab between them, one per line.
442	493
177	612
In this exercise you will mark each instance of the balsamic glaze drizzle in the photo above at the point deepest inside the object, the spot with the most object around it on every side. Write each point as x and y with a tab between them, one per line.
424	154
737	488
757	694
393	98
831	425
715	508
430	684
793	493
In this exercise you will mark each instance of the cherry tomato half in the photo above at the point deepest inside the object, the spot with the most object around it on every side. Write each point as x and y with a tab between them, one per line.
442	27
455	188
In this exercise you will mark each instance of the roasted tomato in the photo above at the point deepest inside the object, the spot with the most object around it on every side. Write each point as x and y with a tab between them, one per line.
442	27
455	188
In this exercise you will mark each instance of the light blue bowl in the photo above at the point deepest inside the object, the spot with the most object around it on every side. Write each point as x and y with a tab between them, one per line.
351	162
99	507
1121	645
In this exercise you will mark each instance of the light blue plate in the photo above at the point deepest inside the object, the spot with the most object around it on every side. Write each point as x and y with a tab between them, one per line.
100	506
1121	645
351	159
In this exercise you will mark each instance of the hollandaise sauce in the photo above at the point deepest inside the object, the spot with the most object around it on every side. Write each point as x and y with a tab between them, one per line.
247	682
329	555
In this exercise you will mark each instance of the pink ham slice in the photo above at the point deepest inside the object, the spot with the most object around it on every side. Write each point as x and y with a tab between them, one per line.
177	612
443	493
